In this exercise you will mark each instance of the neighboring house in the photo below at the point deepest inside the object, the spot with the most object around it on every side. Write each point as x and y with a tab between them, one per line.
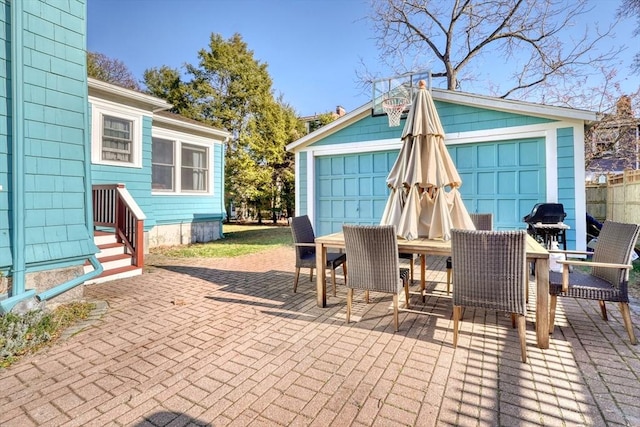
510	156
613	145
72	149
316	121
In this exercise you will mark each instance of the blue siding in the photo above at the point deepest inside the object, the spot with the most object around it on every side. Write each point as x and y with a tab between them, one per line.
462	118
302	208
54	136
454	118
5	155
367	129
566	179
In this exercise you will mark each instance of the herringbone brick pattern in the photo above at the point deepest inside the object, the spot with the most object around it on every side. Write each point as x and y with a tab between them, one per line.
226	342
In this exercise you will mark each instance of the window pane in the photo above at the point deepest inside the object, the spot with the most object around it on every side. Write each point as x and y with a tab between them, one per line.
162	151
162	164
195	170
116	139
162	177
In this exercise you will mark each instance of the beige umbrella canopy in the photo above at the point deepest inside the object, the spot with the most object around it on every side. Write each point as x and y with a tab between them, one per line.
419	204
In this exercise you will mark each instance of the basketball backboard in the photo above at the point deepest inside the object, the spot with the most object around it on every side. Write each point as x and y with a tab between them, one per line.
400	86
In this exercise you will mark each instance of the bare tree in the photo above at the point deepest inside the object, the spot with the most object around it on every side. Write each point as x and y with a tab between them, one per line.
101	67
630	8
535	40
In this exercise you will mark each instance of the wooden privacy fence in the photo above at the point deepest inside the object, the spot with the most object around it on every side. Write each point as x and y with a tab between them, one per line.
617	200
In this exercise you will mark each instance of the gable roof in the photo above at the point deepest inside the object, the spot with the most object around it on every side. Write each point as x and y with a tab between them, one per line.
454	97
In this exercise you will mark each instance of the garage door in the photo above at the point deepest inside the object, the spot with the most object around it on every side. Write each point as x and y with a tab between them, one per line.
351	189
506	178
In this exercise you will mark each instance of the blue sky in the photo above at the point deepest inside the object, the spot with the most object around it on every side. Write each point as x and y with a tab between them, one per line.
313	48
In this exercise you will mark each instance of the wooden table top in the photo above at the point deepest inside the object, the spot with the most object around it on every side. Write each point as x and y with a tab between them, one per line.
429	246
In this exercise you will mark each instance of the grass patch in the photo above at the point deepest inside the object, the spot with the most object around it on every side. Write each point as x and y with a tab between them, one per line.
634	275
238	240
30	332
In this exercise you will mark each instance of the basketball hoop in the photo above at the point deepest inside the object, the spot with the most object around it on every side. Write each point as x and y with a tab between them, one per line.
394	107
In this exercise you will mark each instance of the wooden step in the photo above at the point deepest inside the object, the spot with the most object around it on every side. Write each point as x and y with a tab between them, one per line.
101	238
110	249
113	257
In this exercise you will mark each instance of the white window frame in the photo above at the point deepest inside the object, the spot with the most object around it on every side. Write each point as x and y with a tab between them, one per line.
178	139
100	109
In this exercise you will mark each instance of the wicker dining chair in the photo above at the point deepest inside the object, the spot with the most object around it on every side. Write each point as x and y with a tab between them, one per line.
372	251
304	242
482	221
491	273
609	275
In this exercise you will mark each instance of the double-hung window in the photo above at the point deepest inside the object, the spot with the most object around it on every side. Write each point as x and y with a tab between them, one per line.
116	135
117	139
163	165
179	166
194	168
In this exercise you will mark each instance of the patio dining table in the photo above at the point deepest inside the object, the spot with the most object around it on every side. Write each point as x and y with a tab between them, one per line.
423	247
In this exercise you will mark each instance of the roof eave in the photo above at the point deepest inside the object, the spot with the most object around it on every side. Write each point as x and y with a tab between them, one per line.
100	88
200	128
511	105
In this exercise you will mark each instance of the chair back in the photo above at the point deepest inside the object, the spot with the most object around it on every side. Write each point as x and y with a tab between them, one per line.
615	244
372	251
482	221
490	269
302	232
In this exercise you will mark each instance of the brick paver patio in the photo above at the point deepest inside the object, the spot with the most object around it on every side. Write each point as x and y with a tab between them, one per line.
226	342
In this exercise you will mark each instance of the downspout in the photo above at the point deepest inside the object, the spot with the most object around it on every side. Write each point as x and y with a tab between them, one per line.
223	201
17	150
18	292
64	287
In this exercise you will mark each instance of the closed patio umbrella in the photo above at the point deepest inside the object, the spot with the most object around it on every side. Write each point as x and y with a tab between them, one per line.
424	182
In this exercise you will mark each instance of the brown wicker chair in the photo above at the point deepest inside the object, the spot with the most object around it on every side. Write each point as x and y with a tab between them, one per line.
491	273
608	279
482	221
372	251
304	242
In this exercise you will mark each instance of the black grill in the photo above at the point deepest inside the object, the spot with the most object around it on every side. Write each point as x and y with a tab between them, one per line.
546	213
541	221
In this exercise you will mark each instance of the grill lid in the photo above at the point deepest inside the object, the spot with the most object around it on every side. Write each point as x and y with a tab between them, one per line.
546	213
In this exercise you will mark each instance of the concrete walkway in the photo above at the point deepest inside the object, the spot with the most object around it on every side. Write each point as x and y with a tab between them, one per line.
226	342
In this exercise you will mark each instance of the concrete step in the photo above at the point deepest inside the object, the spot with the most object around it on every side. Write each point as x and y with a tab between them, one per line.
115	274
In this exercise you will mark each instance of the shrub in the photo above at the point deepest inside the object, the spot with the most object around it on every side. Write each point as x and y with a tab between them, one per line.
26	333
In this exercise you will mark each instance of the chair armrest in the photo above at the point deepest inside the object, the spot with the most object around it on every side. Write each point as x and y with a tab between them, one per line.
572	252
566	263
595	264
308	245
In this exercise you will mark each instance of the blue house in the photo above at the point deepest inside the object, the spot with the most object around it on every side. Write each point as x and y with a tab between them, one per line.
81	160
509	154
